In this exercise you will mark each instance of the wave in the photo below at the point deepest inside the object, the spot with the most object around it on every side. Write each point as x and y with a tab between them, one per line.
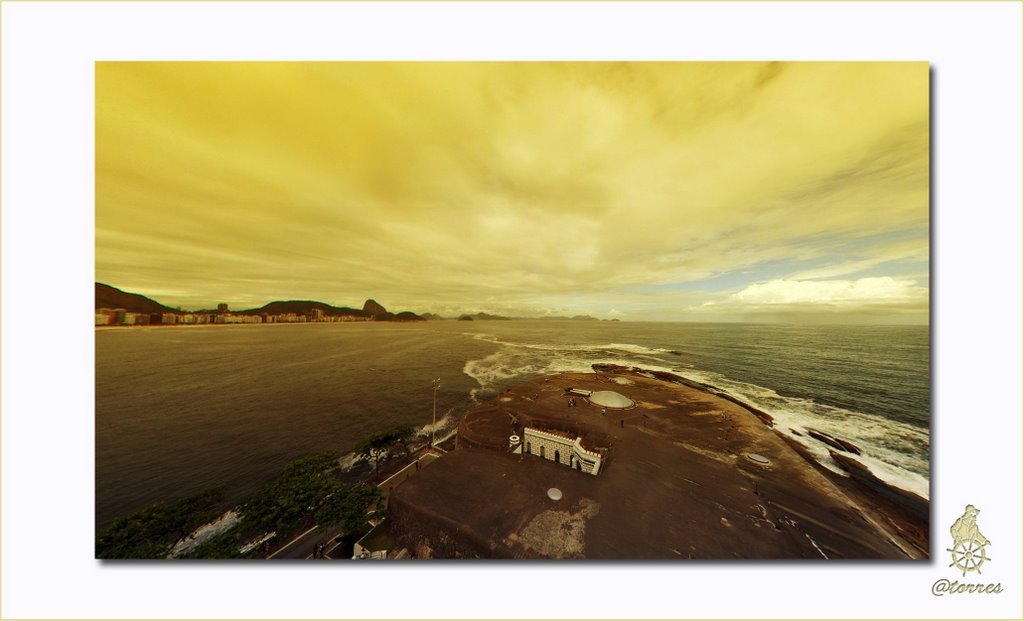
443	424
445	427
894	451
890	449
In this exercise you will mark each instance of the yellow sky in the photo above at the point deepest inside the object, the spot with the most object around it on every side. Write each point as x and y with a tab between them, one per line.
669	191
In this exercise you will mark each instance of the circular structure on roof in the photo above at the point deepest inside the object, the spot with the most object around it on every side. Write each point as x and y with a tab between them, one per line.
554	493
611	399
760	460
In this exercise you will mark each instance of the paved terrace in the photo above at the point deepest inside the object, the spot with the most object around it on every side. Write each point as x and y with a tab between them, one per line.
677	482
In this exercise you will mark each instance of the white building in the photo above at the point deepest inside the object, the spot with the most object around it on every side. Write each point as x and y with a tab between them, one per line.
563	449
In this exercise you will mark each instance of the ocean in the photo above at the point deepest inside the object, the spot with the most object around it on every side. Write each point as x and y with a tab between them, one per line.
182	408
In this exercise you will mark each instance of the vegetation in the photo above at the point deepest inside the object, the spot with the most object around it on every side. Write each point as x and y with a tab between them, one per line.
376	445
112	297
307	489
347	508
301	487
224	545
152	531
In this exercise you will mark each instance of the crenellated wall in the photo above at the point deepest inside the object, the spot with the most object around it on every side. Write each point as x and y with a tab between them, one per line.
562	449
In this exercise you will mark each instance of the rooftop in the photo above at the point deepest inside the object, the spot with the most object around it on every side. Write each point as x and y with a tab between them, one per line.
678	482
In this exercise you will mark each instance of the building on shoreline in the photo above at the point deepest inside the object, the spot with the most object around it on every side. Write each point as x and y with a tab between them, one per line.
561	449
681	473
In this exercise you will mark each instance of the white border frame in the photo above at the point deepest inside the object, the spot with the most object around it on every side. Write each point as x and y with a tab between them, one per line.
47	73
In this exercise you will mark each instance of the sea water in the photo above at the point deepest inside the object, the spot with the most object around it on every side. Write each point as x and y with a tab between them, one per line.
183	408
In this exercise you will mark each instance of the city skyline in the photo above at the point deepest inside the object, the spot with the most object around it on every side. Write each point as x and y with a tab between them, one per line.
638	191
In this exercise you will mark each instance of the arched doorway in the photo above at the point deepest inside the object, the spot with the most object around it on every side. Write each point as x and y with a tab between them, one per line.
558	456
542	451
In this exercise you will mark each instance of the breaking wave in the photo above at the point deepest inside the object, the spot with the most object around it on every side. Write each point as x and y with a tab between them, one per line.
896	452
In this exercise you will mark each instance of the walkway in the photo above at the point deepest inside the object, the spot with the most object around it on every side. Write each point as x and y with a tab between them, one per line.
302	546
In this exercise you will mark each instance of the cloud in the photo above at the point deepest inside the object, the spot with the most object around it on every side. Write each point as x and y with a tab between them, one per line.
815	293
542	185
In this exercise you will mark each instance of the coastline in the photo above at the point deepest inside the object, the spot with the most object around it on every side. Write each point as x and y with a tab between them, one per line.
681	453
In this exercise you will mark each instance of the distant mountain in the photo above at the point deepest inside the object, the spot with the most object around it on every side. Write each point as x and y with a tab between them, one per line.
372	309
112	297
431	316
573	318
407	316
482	316
301	307
488	316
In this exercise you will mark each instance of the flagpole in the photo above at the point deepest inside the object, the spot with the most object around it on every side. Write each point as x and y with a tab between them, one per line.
436	384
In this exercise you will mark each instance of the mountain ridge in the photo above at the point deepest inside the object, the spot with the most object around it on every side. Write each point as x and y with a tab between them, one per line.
108	296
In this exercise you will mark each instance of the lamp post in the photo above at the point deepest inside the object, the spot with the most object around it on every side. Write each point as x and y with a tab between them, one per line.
437	384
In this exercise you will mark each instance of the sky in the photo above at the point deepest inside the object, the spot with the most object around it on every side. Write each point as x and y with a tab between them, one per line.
669	191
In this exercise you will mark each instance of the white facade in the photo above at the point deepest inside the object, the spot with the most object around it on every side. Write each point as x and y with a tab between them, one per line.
563	449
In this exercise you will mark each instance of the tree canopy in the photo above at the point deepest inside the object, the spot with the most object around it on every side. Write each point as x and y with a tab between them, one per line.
306	488
302	486
348	508
153	530
377	444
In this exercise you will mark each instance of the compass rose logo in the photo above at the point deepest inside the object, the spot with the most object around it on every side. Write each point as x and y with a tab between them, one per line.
968	543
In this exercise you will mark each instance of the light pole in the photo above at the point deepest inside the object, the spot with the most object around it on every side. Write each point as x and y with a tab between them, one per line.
437	384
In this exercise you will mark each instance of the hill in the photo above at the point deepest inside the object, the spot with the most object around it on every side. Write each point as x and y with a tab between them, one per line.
573	318
112	297
301	307
407	316
483	317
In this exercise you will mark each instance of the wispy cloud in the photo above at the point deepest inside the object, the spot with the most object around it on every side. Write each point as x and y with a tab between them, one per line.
860	292
537	185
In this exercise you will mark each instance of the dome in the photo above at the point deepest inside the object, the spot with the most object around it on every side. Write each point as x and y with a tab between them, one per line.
611	399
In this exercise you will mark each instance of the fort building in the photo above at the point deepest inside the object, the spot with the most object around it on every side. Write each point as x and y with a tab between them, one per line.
561	449
624	464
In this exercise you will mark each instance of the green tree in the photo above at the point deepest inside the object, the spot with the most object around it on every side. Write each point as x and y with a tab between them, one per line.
301	488
348	508
152	531
405	433
224	545
376	445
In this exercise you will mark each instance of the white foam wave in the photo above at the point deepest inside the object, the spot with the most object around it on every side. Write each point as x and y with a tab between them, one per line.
222	524
896	476
638	349
482	336
500	366
891	449
442	424
444	438
347	461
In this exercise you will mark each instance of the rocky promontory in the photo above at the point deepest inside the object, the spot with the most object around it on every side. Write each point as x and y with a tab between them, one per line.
684	473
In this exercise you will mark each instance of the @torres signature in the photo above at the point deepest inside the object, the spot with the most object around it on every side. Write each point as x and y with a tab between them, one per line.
968	554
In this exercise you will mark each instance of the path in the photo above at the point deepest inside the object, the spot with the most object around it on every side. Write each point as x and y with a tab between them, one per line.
302	546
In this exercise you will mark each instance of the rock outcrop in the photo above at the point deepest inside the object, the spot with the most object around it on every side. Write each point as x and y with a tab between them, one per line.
834	442
372	309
